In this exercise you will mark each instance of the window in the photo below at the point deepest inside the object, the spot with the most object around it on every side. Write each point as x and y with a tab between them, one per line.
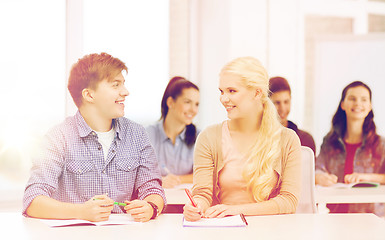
137	33
32	94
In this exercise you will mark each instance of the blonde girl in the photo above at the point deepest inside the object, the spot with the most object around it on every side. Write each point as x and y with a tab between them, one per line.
249	163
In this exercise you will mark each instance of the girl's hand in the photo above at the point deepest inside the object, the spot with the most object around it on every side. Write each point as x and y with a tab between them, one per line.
221	210
325	179
356	177
170	181
192	213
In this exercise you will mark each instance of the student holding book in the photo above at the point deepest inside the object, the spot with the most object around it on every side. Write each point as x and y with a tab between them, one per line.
249	164
97	156
352	151
173	136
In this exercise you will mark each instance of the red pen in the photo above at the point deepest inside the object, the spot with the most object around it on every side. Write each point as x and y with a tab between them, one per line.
191	198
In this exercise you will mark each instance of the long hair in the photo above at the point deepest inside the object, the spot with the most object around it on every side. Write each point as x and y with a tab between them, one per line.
258	171
174	89
339	121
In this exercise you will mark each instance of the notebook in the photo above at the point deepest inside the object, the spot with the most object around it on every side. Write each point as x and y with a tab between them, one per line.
115	219
356	185
230	221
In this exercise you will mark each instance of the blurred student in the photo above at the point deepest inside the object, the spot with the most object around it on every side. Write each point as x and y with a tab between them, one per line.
352	151
250	163
173	136
280	94
97	156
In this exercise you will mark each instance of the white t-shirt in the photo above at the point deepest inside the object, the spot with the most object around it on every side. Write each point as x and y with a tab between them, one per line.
105	139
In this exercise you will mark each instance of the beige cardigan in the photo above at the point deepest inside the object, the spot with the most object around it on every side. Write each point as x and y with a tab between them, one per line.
208	162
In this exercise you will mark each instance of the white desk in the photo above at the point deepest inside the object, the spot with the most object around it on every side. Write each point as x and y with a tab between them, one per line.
169	226
325	195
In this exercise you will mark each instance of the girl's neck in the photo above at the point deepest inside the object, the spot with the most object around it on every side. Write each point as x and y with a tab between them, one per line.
172	127
246	125
354	132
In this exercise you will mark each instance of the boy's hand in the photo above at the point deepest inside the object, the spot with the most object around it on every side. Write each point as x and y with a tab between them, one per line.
97	209
140	210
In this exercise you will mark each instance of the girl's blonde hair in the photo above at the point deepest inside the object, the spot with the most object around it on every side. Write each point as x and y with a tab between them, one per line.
258	171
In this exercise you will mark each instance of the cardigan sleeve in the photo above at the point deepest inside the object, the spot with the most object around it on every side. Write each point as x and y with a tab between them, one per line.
287	199
204	154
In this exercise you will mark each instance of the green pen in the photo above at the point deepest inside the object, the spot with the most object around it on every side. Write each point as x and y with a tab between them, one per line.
120	204
116	203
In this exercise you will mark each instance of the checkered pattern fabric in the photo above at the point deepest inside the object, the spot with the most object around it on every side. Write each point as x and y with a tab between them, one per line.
71	167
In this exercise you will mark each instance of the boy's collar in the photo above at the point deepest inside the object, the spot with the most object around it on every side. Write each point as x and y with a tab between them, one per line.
85	130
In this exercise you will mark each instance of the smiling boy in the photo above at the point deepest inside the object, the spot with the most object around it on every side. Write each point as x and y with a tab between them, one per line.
96	157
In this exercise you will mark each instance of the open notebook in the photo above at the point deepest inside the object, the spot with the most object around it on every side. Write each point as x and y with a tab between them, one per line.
115	219
230	221
356	185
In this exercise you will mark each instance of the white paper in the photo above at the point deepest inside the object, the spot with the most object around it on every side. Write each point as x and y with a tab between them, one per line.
115	219
357	185
230	221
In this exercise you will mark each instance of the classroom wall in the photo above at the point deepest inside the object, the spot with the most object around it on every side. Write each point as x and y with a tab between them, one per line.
224	30
340	60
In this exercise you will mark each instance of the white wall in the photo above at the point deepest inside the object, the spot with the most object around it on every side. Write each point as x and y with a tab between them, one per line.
339	61
272	31
223	30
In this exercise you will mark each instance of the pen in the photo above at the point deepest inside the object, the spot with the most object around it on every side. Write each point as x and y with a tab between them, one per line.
116	203
120	204
190	197
244	219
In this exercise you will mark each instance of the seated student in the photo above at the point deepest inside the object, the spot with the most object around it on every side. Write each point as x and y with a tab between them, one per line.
173	137
250	163
352	151
97	156
280	94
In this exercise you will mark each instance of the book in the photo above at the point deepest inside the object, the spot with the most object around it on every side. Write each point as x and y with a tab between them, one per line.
114	219
229	221
356	185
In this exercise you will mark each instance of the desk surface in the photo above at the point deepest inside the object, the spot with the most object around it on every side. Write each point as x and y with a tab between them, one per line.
325	195
169	226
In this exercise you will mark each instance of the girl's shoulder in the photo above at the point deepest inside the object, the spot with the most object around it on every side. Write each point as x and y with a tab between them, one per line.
289	135
212	129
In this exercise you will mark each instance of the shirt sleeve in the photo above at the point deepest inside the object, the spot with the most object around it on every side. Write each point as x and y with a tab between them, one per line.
148	177
46	169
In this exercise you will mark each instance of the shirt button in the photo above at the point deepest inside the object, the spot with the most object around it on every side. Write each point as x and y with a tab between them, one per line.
113	151
104	171
99	148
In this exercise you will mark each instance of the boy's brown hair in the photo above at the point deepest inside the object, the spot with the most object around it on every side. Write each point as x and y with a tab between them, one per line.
88	71
277	84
